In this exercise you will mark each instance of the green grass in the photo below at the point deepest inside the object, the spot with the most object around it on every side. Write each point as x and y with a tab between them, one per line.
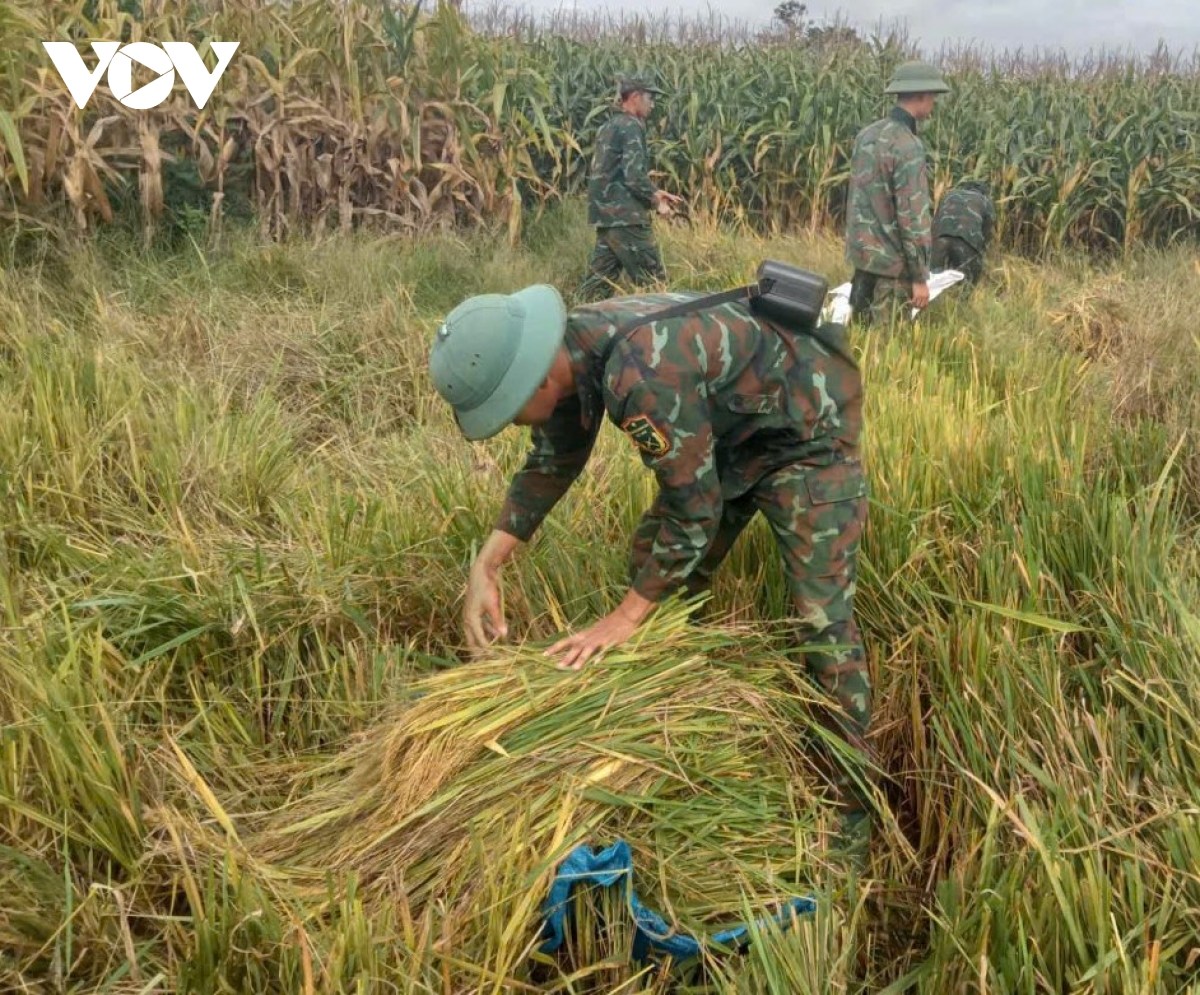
238	751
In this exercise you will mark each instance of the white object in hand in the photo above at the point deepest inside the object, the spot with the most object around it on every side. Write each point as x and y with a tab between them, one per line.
838	309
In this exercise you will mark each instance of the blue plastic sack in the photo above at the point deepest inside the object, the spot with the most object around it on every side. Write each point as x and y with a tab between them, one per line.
615	864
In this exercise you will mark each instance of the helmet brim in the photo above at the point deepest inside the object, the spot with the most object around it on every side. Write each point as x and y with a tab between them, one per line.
542	328
921	86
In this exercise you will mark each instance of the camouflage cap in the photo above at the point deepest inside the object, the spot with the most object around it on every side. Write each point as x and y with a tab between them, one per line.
978	185
916	77
633	84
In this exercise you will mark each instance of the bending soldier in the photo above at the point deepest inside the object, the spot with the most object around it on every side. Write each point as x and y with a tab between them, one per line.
962	229
735	414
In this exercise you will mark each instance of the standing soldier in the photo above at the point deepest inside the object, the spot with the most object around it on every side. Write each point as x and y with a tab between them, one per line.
889	213
962	229
620	195
734	412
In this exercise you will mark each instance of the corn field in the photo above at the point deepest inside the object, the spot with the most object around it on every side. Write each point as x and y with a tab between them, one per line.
336	115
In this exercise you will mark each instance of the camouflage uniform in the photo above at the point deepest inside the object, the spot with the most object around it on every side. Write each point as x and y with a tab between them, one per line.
734	414
888	216
962	231
620	195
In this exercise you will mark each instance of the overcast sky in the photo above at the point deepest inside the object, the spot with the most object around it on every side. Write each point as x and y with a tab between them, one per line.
1073	25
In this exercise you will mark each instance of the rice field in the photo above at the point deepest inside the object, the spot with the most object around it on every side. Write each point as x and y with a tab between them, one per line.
241	750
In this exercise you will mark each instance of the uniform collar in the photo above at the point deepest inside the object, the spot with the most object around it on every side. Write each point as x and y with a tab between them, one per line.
588	370
900	115
581	359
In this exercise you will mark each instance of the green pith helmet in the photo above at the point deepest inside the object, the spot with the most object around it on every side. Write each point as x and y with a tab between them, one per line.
492	353
631	84
916	77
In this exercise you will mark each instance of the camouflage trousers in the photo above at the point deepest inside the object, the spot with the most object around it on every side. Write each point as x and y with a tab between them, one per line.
817	515
876	298
631	249
951	252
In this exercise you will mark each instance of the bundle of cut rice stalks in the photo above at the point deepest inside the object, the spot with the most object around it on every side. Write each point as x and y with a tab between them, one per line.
691	744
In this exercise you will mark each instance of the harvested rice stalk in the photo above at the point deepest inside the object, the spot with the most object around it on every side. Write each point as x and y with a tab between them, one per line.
688	743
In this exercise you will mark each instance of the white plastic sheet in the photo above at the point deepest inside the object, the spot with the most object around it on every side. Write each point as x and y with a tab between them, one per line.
837	309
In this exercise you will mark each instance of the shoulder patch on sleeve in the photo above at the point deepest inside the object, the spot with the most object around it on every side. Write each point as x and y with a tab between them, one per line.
647	436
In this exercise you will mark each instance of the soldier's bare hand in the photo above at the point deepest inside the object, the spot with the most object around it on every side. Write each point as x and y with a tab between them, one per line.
576	650
920	295
483	616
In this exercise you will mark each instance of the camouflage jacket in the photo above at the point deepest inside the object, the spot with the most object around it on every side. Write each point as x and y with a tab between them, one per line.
966	214
712	401
888	216
619	189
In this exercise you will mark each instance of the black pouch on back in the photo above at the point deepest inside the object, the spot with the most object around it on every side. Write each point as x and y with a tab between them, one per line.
789	294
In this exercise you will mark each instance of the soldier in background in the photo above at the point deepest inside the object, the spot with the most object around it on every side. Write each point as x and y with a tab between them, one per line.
889	212
962	229
621	195
734	412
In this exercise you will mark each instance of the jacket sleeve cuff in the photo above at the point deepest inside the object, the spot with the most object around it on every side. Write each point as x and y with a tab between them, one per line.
518	526
917	269
651	586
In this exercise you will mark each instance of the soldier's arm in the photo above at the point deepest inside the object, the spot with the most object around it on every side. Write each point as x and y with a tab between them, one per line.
601	150
559	452
667	418
910	181
635	166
